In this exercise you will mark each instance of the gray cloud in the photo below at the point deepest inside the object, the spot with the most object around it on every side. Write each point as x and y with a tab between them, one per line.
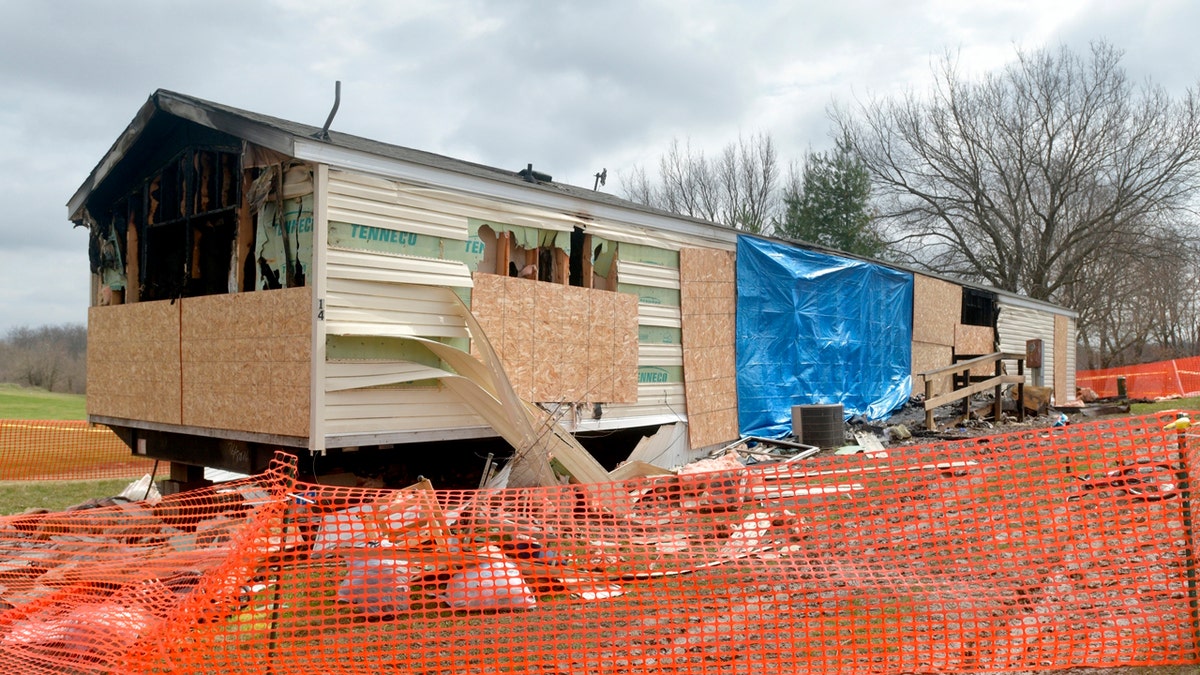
571	87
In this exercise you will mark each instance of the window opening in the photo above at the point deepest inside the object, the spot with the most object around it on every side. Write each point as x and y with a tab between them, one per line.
978	307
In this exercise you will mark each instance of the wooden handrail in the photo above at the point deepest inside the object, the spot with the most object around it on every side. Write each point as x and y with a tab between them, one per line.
969	388
971	363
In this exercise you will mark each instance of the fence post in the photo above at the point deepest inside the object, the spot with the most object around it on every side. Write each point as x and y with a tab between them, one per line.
1181	426
282	562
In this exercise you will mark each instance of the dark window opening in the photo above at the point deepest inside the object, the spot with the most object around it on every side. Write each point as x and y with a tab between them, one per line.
579	251
978	307
545	263
162	273
174	234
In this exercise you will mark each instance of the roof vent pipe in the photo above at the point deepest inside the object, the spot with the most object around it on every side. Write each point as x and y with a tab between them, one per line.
337	100
532	176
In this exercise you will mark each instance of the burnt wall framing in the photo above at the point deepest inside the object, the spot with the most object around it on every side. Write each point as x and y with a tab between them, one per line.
164	219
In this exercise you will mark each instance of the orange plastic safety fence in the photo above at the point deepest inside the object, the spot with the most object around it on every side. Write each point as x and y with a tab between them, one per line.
1037	550
1178	377
65	450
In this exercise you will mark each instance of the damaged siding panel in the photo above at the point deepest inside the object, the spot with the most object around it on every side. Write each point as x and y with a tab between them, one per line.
633	234
483	209
641	274
660	355
654	400
378	202
466	205
397	411
364	200
659	315
397	269
344	375
356	308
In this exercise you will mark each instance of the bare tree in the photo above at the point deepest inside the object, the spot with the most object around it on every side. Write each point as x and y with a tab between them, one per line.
748	175
49	357
1137	301
688	183
1024	178
739	189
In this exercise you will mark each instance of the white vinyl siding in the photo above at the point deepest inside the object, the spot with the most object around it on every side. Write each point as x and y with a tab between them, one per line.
389	310
1018	323
396	269
641	274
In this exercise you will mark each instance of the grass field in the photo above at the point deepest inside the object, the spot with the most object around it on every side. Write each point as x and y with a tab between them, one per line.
20	403
1180	403
54	495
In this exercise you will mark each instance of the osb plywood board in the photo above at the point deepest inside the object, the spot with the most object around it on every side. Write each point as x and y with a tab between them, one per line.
974	340
1061	340
926	356
937	308
708	306
133	362
560	343
246	361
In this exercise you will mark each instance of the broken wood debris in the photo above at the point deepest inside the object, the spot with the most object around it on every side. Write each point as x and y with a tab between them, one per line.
383	553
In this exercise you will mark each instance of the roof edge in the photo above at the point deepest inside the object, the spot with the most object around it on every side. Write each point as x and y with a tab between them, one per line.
115	153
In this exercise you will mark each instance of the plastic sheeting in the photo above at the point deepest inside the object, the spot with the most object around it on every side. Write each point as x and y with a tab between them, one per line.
817	328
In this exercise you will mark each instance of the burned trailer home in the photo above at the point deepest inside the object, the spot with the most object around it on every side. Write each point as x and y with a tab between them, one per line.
259	284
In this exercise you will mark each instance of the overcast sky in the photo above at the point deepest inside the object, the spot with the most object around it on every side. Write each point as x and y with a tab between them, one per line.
572	87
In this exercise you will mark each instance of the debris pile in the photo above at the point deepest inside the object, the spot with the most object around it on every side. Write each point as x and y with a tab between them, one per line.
659	570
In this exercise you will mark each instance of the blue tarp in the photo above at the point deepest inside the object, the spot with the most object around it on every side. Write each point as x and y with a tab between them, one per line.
817	328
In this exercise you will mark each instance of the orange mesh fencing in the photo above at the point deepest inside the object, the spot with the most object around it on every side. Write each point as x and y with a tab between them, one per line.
1161	379
1037	550
65	450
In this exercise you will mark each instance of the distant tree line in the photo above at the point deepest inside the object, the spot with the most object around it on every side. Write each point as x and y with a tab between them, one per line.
53	358
1055	177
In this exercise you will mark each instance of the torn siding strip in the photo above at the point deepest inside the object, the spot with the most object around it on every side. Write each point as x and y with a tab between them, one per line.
397	269
641	274
355	198
377	309
660	315
660	355
341	376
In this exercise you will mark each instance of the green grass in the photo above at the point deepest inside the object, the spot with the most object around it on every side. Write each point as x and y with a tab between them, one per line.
19	403
56	495
1178	403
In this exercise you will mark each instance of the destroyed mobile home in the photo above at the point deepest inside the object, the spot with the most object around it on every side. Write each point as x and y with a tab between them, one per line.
261	284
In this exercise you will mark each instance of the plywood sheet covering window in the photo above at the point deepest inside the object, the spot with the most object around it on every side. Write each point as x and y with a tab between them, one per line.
133	362
560	343
246	361
937	308
974	340
927	356
1062	393
708	306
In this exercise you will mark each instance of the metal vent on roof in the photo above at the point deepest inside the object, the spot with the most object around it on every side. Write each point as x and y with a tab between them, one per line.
534	176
